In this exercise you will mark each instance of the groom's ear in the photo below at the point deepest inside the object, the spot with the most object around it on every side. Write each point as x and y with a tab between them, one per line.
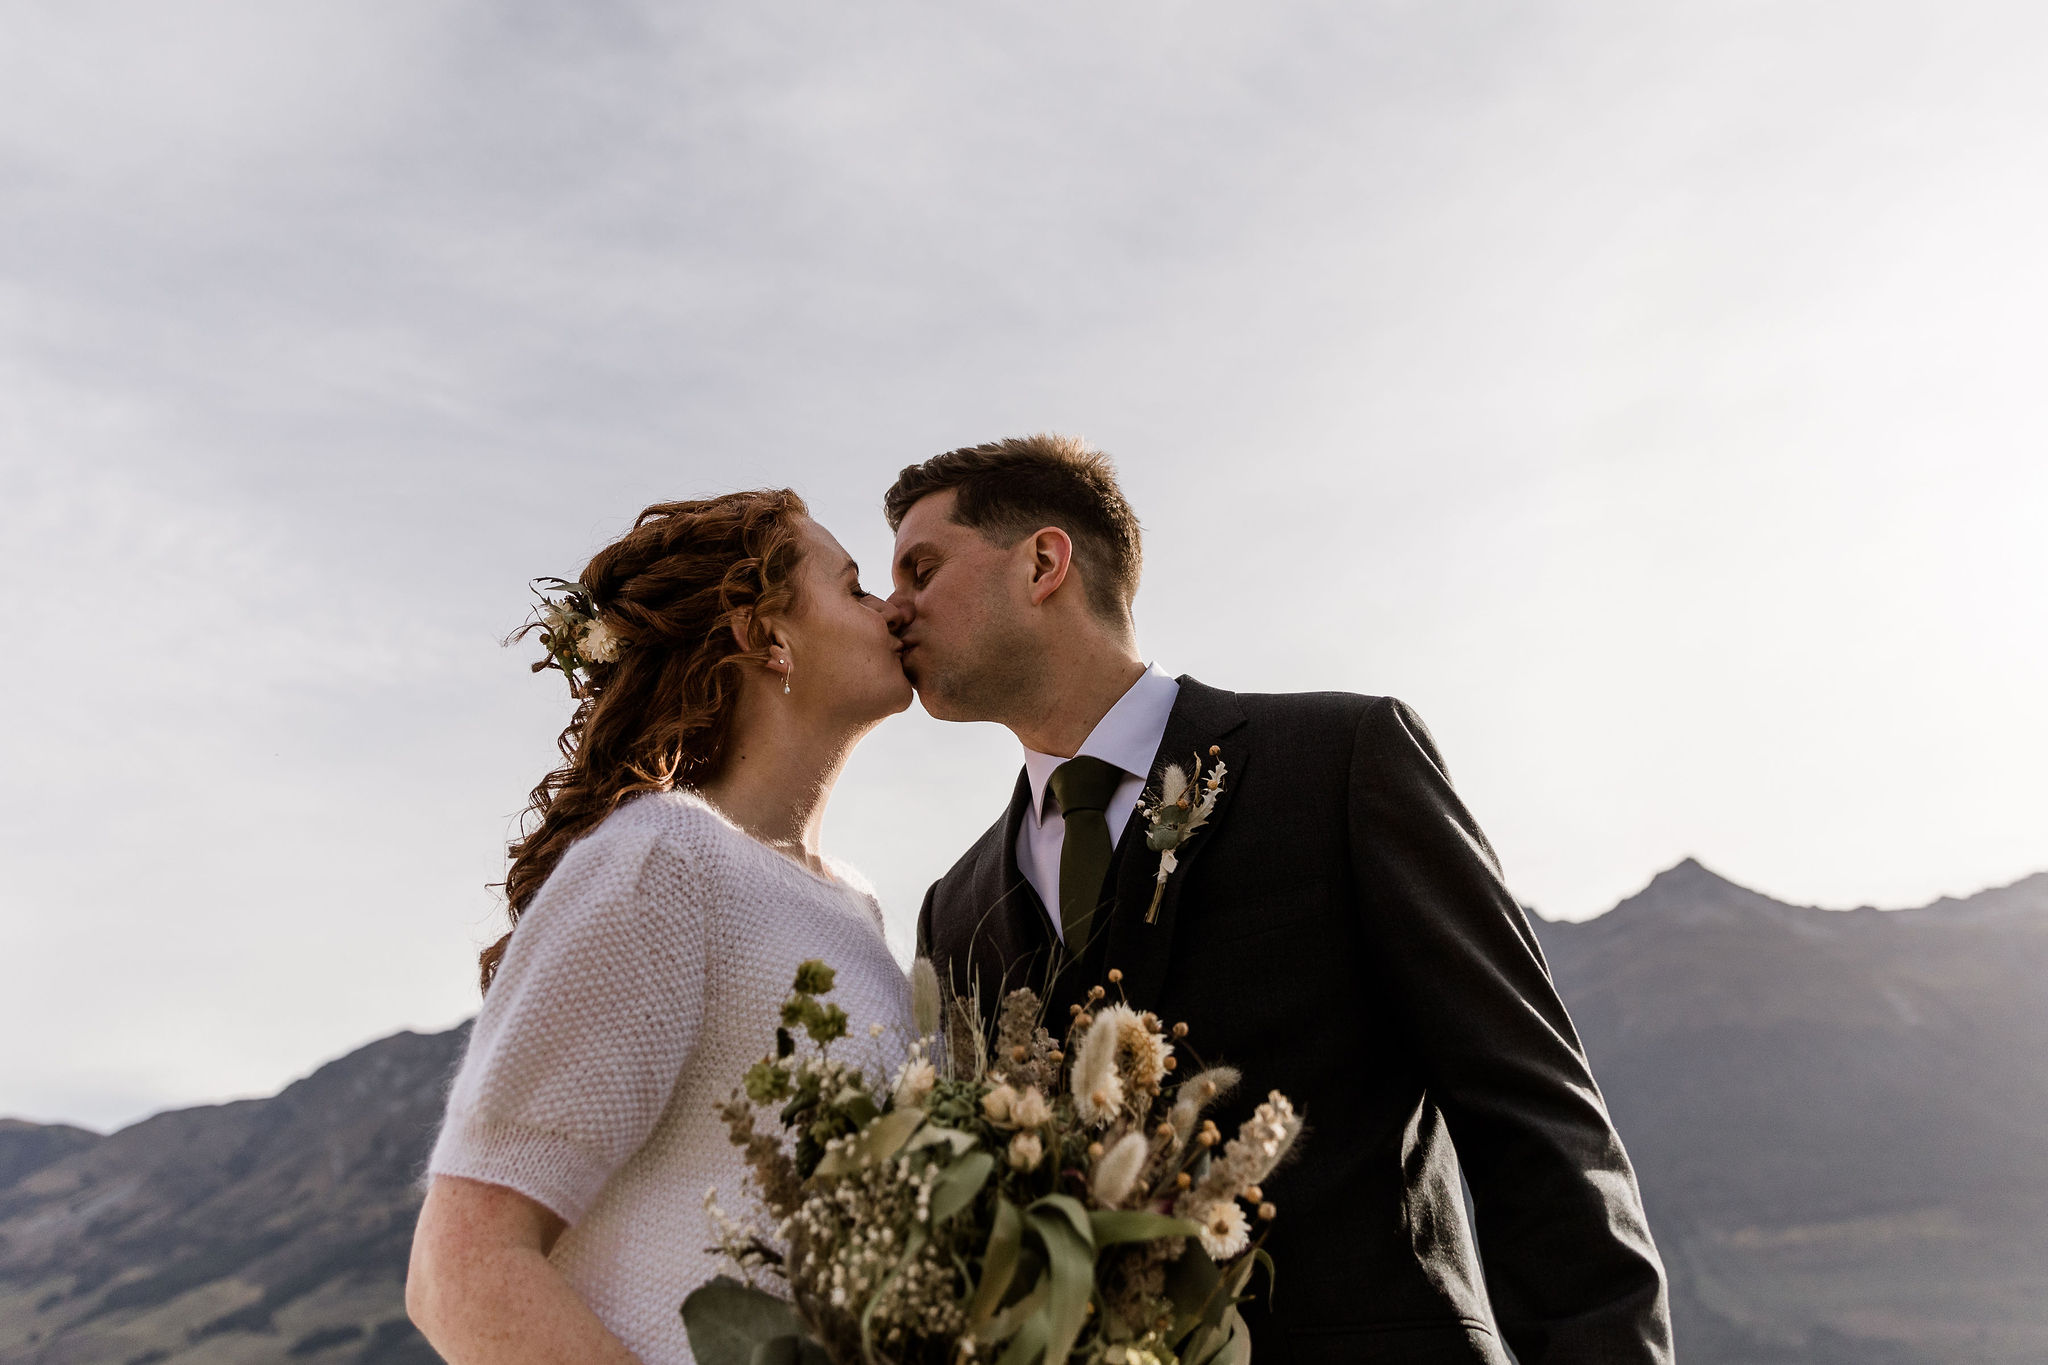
1052	559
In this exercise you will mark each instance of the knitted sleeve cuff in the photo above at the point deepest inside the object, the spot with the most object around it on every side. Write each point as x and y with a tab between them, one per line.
552	1170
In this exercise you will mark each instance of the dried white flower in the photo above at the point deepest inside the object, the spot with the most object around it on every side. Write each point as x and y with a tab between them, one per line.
1270	1131
1030	1110
1224	1230
1026	1151
914	1083
996	1105
598	644
1118	1169
558	619
1141	1052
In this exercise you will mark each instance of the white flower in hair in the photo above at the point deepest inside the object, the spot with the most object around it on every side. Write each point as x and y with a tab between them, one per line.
572	632
598	645
558	619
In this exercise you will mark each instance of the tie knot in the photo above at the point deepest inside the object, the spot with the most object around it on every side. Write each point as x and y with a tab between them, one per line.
1085	783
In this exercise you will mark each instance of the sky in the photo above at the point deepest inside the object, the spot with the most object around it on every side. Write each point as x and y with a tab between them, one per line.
1647	394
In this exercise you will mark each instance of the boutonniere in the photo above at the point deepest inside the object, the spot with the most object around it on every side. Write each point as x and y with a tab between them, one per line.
1182	806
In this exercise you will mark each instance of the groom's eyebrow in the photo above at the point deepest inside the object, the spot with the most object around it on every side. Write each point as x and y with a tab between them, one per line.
908	559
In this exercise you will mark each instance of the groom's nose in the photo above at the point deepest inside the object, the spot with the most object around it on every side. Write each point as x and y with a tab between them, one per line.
896	611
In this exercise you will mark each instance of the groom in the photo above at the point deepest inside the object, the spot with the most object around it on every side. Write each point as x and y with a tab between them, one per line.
1338	931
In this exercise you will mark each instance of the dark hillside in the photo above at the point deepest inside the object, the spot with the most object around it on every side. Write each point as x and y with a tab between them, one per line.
1840	1118
233	1232
1841	1122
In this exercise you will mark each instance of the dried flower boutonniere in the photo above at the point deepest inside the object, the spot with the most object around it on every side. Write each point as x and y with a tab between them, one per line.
1183	806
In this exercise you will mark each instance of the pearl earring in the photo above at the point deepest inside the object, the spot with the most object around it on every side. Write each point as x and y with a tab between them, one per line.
788	667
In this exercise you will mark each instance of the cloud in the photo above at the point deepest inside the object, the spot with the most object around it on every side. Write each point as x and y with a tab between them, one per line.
1645	394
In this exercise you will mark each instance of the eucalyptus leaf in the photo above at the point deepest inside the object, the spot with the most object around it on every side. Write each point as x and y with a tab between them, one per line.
727	1320
1029	1343
1202	1347
1111	1226
932	1134
1070	1265
956	1188
874	1144
1240	1275
1069	1208
1237	1341
1192	1285
790	1351
1017	1314
912	1244
998	1264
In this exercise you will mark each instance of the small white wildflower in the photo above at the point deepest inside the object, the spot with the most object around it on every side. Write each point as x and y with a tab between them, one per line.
915	1083
557	620
1026	1151
1224	1230
598	644
996	1104
1030	1110
1118	1169
874	1030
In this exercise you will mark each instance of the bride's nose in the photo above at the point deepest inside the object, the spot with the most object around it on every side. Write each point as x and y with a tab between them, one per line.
897	613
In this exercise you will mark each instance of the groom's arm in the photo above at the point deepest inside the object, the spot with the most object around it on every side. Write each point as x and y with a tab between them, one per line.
924	922
1570	1266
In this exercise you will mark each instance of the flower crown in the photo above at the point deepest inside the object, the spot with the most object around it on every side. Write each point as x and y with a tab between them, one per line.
572	632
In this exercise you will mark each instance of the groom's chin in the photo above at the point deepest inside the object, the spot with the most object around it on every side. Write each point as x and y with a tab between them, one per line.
934	704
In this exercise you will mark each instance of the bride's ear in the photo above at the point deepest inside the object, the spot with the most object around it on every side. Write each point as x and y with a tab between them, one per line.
755	636
744	633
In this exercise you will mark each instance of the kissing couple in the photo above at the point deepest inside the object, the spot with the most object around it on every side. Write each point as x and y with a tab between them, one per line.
1338	930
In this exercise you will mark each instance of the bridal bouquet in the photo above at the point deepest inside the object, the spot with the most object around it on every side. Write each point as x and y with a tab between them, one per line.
1018	1199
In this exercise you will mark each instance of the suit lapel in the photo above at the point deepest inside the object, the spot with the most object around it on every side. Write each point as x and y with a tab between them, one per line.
1009	940
1201	716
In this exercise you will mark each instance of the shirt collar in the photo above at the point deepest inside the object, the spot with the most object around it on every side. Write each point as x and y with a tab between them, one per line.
1129	736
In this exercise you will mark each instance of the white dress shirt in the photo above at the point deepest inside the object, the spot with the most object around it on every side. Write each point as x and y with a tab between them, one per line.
1129	736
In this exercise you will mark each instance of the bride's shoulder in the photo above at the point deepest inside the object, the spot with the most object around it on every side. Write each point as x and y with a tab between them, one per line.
678	821
671	827
851	877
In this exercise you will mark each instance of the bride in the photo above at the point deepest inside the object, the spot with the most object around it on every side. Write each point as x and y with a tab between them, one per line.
666	887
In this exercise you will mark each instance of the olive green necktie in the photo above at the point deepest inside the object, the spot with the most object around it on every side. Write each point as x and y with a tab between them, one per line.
1083	787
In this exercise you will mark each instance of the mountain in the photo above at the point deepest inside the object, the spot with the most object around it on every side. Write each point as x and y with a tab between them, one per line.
1840	1119
260	1231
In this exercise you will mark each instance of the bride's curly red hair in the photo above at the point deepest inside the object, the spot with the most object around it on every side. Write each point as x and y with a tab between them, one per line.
659	714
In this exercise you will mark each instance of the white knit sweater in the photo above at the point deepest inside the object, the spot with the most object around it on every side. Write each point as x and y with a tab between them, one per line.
642	981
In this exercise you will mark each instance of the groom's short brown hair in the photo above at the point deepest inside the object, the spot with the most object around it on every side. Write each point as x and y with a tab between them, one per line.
1013	487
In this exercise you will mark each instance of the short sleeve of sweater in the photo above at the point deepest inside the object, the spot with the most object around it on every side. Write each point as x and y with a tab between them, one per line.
586	1029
